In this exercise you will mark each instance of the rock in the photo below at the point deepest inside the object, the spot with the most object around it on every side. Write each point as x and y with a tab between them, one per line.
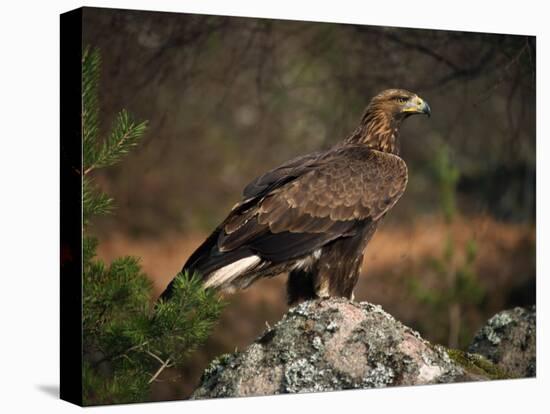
509	340
336	344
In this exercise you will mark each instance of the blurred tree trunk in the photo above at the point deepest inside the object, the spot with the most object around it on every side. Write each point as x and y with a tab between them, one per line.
454	325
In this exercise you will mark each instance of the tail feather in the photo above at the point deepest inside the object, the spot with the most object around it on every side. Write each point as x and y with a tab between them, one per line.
169	291
218	273
217	269
223	276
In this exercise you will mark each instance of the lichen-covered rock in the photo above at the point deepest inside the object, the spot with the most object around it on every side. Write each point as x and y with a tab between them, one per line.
335	344
509	340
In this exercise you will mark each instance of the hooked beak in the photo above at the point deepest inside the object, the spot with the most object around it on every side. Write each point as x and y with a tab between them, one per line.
417	105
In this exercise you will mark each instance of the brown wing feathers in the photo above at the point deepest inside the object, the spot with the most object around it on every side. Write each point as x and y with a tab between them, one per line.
356	183
353	184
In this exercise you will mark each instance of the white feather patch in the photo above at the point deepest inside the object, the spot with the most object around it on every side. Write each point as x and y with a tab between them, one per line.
231	271
323	290
308	261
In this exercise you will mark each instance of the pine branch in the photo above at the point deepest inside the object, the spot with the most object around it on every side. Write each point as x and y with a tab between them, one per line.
184	322
125	337
89	246
165	364
125	132
94	202
91	64
125	135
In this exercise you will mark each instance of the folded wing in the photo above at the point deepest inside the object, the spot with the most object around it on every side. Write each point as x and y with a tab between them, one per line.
297	208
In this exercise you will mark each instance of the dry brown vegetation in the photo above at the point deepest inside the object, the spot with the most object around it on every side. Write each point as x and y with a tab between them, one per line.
505	267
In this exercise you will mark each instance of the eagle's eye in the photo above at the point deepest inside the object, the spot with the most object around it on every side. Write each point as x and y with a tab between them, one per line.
401	99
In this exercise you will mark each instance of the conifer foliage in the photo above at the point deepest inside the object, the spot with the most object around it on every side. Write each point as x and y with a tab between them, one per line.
128	340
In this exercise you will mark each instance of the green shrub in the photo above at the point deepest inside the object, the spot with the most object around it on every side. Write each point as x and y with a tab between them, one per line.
127	339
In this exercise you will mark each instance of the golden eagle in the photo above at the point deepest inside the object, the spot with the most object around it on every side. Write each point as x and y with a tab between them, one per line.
314	215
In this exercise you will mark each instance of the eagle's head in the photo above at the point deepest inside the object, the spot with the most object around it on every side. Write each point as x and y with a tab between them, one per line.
399	103
379	127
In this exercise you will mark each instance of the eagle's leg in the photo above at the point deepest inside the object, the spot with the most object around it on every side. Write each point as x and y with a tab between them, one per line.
337	280
334	272
300	286
323	280
338	269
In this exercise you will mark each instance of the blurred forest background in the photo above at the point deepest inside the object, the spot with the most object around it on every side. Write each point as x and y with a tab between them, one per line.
228	98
